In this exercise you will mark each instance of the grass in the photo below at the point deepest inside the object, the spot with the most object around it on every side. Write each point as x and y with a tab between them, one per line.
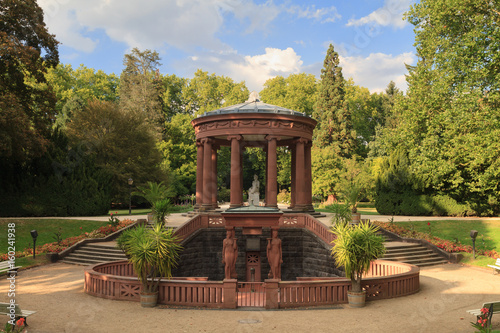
488	237
46	229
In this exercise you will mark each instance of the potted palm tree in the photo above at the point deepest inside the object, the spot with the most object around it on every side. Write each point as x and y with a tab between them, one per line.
353	186
354	249
153	253
154	193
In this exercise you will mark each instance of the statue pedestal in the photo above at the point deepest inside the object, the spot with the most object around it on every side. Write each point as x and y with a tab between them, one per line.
252	218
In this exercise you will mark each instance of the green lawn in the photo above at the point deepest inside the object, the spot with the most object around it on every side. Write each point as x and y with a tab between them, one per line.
488	237
46	229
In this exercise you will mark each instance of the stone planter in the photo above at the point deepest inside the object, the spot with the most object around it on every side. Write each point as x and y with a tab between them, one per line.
149	300
356	299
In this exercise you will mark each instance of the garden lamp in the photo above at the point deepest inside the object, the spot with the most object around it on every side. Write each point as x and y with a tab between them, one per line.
130	183
34	235
473	235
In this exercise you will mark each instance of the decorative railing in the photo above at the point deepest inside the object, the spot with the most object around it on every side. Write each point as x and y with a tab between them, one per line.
402	280
102	280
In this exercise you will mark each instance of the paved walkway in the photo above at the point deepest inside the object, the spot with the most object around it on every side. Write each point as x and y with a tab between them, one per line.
55	291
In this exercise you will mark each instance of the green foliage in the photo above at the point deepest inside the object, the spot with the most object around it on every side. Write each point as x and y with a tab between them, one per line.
334	118
297	92
139	85
210	92
284	197
354	183
448	124
63	182
341	213
152	252
82	84
326	166
224	194
26	101
355	247
161	208
152	192
123	144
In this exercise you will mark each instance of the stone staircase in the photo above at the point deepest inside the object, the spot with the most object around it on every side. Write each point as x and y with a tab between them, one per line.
90	254
412	253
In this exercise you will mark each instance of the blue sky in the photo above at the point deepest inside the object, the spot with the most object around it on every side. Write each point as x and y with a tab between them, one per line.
247	40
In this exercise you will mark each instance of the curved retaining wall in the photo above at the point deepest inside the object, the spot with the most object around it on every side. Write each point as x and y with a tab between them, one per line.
386	279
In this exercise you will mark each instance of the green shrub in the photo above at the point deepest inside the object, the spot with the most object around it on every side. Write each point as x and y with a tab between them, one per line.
284	196
224	194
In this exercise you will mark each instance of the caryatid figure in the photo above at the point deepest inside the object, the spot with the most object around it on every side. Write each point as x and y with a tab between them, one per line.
229	254
274	255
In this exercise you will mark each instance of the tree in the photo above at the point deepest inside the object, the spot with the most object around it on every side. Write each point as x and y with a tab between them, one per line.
140	85
334	119
123	143
211	92
297	92
171	89
448	123
26	51
82	84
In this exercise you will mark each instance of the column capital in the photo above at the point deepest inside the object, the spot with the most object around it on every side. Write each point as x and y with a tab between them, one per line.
272	137
199	143
235	137
301	140
207	140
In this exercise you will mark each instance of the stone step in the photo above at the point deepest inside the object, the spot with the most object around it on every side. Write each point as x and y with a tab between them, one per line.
97	254
113	250
411	253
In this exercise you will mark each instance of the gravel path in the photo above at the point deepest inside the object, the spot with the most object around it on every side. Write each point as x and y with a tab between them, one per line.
55	291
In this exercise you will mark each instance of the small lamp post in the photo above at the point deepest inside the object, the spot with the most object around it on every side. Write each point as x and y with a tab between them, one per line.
473	235
130	183
34	235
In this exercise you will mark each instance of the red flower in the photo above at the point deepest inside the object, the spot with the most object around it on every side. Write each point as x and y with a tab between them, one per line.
428	223
20	322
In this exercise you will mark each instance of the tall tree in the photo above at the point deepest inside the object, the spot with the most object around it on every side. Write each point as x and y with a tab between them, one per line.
334	120
449	121
140	85
27	102
123	143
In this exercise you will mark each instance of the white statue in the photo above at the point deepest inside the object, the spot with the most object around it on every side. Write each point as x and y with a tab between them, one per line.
253	192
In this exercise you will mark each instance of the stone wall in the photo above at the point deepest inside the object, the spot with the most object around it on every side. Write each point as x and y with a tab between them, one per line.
304	254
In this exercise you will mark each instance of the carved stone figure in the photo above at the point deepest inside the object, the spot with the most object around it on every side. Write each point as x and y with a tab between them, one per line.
253	192
229	254
274	255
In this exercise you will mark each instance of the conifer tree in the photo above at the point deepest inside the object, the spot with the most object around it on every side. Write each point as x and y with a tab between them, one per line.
334	120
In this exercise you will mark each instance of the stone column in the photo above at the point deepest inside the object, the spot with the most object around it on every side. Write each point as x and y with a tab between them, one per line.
308	177
207	174
230	293
300	197
272	293
236	171
272	172
214	176
199	175
293	186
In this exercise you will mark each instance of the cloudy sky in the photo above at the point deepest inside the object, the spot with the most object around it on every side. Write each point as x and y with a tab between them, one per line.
247	40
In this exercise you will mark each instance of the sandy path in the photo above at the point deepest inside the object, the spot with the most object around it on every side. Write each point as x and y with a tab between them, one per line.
447	291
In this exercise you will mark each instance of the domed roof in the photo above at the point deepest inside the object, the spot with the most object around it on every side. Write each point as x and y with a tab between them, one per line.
253	105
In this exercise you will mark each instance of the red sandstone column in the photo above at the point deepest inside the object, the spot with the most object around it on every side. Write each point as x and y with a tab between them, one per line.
293	188
241	175
199	175
272	172
236	171
300	176
214	176
308	177
272	294
207	173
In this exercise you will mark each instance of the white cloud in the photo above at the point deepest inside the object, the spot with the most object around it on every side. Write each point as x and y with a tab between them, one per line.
377	70
184	24
254	70
391	14
323	15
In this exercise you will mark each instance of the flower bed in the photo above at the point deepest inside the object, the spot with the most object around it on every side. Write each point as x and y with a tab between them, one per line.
448	246
56	247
